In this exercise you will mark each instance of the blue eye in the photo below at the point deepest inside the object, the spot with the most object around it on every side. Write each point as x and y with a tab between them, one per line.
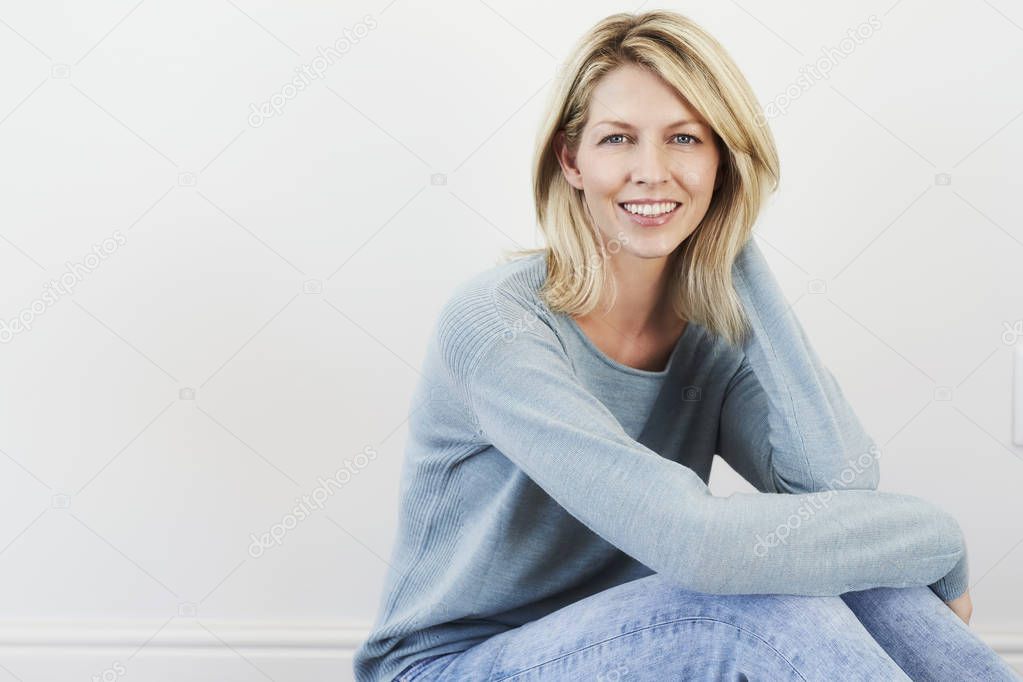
692	137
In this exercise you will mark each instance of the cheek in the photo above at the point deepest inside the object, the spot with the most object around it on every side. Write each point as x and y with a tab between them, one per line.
599	191
601	168
602	182
698	178
696	182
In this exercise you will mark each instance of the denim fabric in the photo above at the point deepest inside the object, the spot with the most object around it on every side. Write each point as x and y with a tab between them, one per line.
414	671
652	630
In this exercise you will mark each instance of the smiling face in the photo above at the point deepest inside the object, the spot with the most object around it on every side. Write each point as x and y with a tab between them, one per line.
643	149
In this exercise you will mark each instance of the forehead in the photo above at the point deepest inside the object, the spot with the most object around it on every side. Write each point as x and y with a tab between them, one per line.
632	94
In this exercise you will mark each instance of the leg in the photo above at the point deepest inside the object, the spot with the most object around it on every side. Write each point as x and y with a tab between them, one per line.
924	636
650	629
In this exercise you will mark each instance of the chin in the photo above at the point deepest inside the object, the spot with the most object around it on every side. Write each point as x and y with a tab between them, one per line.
659	249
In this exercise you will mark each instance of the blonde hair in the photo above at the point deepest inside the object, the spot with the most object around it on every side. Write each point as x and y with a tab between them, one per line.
692	62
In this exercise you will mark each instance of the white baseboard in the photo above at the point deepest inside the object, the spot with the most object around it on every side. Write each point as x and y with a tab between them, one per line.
181	633
207	649
196	649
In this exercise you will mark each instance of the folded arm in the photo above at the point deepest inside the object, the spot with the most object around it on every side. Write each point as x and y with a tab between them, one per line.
785	425
533	409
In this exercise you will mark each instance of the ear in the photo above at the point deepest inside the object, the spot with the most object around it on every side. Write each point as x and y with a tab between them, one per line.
567	160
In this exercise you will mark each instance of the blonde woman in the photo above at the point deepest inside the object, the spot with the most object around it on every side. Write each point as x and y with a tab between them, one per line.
555	521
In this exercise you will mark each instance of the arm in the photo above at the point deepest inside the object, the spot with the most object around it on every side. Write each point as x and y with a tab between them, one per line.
530	406
808	435
786	426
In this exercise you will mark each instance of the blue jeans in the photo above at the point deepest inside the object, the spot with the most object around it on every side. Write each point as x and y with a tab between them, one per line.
651	629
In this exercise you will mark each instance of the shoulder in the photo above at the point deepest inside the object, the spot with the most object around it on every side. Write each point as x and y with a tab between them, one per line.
504	295
752	271
491	305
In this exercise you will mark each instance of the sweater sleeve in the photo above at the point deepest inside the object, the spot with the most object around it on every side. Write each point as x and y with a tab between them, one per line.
529	405
786	425
785	402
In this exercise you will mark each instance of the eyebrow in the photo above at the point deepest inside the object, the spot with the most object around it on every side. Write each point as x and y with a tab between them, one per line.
623	124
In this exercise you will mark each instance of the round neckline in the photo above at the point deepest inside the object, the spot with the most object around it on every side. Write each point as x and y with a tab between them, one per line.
620	366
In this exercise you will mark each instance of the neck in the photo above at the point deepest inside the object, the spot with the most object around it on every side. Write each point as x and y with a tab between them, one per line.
642	306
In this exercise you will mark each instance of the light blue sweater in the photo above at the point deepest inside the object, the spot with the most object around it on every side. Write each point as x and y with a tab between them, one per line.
539	471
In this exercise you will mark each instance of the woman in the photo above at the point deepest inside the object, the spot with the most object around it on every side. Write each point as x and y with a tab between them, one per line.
555	519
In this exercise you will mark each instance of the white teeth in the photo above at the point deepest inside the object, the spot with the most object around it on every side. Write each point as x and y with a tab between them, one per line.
650	210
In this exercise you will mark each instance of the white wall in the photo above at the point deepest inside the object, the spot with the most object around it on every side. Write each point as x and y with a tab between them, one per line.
262	305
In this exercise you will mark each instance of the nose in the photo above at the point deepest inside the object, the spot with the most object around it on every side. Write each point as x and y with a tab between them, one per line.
650	167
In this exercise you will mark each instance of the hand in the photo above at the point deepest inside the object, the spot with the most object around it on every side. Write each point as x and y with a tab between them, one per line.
962	606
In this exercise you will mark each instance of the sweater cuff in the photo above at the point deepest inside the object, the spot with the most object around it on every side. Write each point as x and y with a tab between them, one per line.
955	582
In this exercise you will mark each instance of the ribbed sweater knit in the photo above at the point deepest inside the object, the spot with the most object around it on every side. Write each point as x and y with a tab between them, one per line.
539	471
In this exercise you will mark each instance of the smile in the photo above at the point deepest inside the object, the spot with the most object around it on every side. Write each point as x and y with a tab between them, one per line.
650	210
650	215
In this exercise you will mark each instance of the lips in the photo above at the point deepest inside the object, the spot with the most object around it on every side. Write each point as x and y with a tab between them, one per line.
649	221
649	207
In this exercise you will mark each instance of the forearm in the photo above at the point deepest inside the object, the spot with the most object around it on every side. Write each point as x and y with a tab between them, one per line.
812	439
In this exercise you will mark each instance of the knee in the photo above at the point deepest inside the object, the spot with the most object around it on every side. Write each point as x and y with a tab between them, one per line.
820	637
797	615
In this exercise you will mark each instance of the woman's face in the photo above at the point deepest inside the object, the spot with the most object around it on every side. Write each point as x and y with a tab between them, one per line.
642	142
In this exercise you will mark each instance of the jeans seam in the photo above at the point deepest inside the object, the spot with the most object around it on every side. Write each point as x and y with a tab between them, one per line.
648	627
